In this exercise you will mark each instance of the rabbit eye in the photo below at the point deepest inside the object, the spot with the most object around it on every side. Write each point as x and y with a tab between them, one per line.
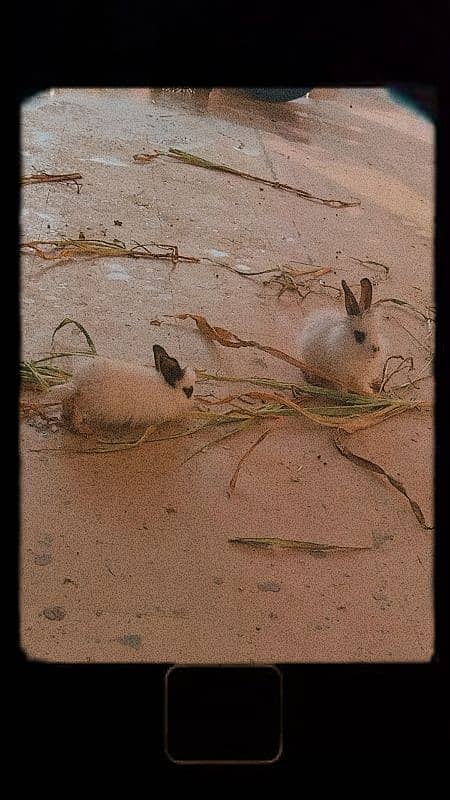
359	336
188	390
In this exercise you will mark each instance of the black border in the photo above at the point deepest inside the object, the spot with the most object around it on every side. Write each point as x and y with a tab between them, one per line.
331	711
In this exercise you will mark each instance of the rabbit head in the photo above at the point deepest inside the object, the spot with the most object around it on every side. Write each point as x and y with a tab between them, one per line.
173	374
361	324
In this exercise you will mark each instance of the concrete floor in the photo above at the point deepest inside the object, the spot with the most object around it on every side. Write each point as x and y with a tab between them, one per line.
133	546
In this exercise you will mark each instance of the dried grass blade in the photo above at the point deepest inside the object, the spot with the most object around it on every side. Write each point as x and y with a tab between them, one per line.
42	377
196	161
44	177
216	441
368	263
232	483
112	450
36	376
398	302
369	420
69	321
295	544
92	248
144	158
372	467
304	388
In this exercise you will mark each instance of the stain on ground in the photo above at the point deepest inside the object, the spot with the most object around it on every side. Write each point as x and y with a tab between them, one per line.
269	586
54	613
131	640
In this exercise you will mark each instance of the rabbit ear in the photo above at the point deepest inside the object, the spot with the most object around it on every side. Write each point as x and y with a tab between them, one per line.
366	294
351	303
167	366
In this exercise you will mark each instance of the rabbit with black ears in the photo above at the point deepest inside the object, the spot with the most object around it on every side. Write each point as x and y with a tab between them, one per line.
347	348
109	392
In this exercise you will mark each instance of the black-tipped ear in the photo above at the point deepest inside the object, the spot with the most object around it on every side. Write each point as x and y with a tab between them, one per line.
158	351
167	366
351	303
366	294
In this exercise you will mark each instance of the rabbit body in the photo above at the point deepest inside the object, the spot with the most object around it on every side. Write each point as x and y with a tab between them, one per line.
109	392
347	348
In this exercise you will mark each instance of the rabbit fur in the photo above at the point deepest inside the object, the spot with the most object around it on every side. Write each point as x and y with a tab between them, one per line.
109	392
346	347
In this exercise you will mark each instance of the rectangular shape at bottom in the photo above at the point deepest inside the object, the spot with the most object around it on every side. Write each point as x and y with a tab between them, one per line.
217	714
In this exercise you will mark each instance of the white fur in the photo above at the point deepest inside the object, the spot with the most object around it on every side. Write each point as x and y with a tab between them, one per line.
111	392
327	343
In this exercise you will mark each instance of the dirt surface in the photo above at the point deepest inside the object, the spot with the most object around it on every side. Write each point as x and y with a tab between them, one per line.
125	556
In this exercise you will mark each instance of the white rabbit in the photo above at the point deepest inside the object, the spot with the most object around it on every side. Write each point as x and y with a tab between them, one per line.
346	348
110	392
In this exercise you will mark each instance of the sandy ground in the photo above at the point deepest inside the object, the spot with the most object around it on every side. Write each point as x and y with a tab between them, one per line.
132	547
